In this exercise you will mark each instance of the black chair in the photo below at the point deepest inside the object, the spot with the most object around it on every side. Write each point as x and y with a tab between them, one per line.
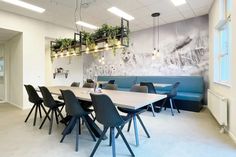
111	87
74	84
88	85
111	82
89	81
74	109
53	107
135	113
109	117
151	89
36	100
170	96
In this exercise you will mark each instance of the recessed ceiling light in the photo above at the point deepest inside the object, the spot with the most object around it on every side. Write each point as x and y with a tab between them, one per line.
25	5
178	2
84	24
120	13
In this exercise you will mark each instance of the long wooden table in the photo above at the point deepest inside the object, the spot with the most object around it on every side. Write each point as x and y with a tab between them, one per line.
131	100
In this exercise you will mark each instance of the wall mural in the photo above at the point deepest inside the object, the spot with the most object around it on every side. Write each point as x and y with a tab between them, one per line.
183	49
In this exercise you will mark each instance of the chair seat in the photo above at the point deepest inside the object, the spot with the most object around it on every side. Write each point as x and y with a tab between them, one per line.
131	111
60	97
59	103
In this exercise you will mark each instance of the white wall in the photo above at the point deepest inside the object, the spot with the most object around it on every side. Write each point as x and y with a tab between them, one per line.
34	34
72	64
2	84
228	92
14	55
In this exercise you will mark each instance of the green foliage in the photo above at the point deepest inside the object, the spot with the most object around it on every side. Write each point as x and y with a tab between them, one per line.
106	33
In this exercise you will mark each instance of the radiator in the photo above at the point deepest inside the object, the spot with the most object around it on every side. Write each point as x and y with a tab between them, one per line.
218	107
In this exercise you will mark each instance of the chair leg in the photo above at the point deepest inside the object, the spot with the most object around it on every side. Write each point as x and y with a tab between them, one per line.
121	128
47	115
68	128
171	107
35	115
136	130
173	101
80	126
56	117
153	111
40	113
62	108
110	138
113	141
124	139
144	128
77	135
89	129
51	122
59	113
163	104
129	125
45	111
99	141
30	113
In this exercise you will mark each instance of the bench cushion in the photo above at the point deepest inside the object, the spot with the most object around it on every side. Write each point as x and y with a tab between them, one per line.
189	96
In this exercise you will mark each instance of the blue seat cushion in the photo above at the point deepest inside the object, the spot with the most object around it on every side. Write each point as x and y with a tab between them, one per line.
124	89
189	96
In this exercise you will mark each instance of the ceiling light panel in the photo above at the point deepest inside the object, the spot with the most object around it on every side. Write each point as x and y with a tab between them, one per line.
25	5
178	2
87	25
120	13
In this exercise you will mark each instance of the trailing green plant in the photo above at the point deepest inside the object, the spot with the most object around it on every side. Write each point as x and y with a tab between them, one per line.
105	33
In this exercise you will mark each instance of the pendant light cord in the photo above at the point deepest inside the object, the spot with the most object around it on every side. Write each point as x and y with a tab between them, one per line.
158	36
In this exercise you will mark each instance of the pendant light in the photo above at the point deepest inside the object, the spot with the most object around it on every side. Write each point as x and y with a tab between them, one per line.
156	34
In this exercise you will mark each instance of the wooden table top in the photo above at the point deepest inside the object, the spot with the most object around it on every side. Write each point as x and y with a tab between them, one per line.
131	100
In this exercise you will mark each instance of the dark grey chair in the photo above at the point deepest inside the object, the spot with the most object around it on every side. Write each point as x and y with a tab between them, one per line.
111	87
170	96
53	107
111	82
74	84
75	110
89	81
88	85
135	114
109	117
37	101
151	89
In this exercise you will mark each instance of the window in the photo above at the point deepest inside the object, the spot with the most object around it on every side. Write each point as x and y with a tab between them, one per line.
222	47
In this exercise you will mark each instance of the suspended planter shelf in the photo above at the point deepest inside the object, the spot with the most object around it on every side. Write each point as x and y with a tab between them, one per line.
103	39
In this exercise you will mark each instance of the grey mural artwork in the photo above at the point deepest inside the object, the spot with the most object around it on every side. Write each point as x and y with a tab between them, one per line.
183	51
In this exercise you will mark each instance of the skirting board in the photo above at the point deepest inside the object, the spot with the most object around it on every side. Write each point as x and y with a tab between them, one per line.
14	105
232	136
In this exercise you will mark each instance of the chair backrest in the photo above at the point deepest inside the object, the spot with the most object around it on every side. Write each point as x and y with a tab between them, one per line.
106	112
89	81
88	85
140	89
150	86
73	106
111	87
75	84
33	95
111	82
173	91
47	97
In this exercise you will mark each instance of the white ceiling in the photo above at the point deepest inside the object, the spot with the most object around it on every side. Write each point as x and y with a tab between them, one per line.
6	35
61	12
